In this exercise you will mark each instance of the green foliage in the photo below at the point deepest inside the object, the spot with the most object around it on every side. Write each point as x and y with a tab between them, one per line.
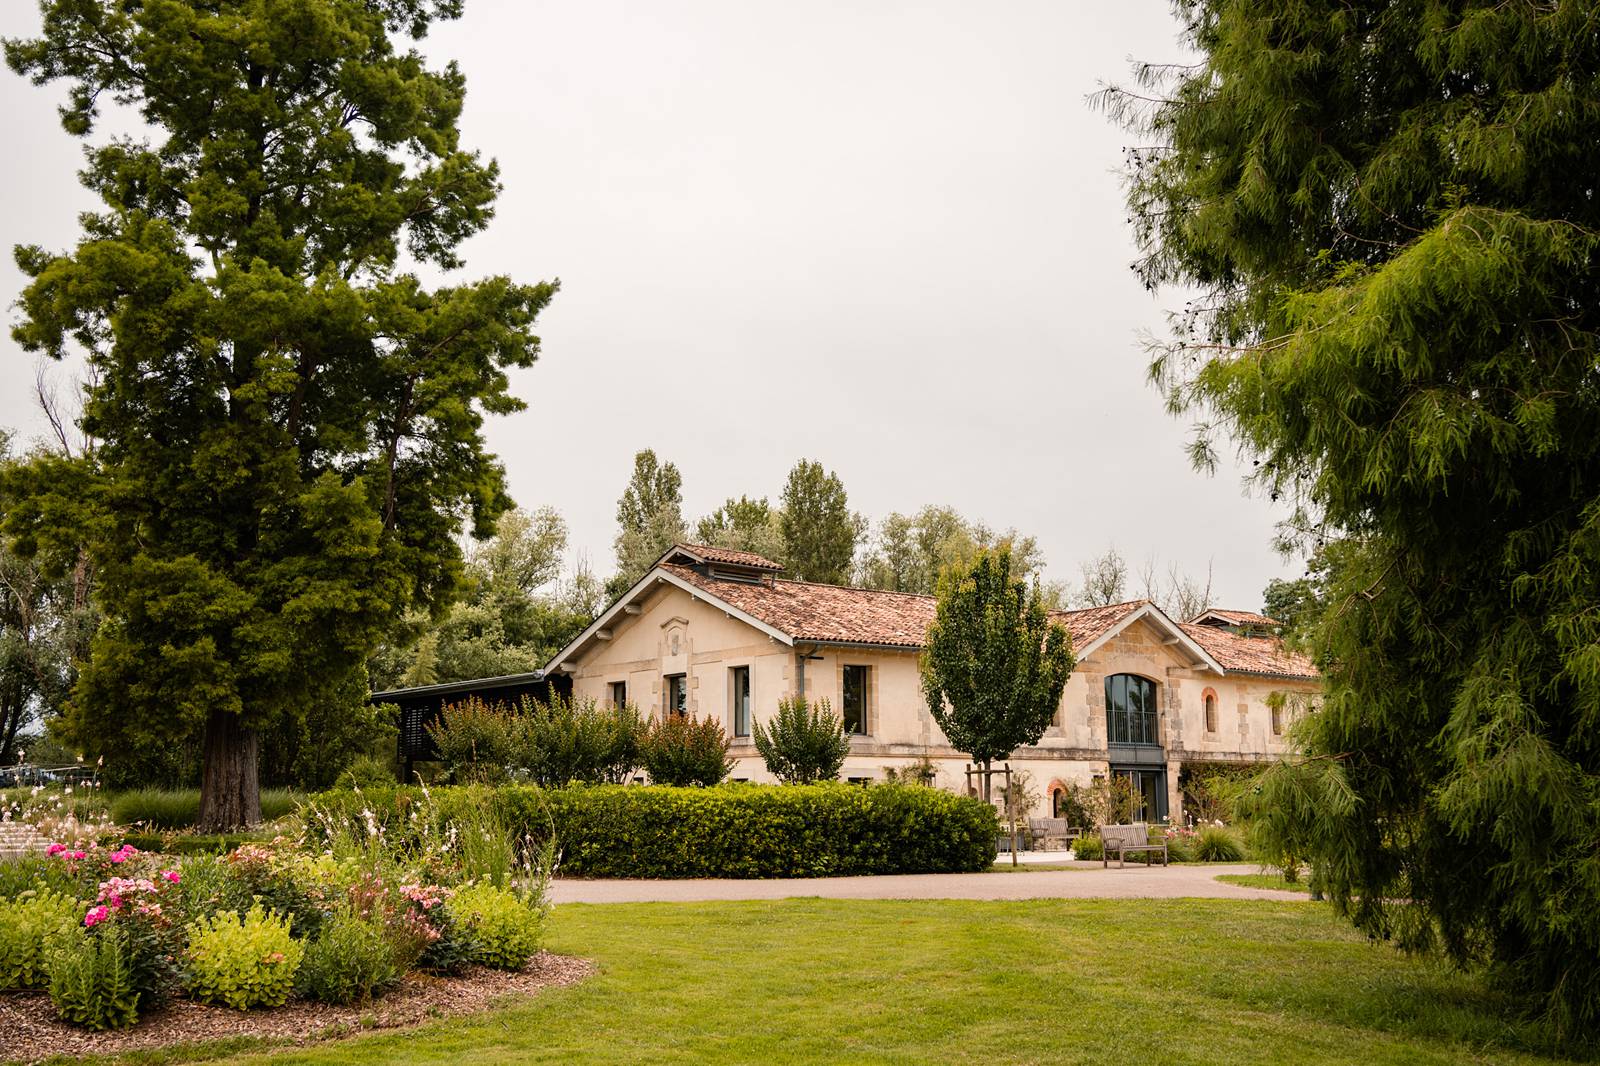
1397	316
289	425
504	929
475	740
516	612
679	750
180	808
1088	846
1218	843
177	843
820	532
731	831
350	961
803	743
28	927
649	519
911	551
92	982
567	740
368	772
995	665
34	873
552	743
243	963
744	525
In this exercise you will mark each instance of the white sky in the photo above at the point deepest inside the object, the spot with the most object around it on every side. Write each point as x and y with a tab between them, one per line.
887	236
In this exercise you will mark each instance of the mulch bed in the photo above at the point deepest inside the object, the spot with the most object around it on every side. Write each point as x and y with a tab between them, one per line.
30	1031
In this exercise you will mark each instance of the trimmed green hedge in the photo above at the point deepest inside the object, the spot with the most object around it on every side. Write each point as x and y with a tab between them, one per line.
736	830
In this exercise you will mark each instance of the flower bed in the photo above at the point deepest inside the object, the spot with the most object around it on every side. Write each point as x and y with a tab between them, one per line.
114	934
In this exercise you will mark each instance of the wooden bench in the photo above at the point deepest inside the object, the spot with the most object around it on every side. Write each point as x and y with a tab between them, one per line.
1125	838
1052	834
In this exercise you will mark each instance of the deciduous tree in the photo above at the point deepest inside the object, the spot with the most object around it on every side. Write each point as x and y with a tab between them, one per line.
820	532
649	518
744	524
995	665
289	423
1389	213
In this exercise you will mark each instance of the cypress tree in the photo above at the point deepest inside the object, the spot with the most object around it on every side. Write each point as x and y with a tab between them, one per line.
1389	210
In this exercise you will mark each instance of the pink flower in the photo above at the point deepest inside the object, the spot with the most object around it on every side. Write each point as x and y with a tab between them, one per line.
76	855
55	849
172	875
95	916
117	856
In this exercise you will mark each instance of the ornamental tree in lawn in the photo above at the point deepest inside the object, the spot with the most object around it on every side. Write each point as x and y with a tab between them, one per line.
289	423
995	664
1389	210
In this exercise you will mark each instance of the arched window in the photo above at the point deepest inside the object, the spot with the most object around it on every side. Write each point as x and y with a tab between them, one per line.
1131	710
1211	712
1277	719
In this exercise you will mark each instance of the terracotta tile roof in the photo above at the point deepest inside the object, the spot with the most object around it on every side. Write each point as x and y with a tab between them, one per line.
1090	623
1251	655
730	556
1235	618
837	613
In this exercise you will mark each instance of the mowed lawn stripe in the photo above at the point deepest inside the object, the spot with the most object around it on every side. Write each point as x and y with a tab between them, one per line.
1090	981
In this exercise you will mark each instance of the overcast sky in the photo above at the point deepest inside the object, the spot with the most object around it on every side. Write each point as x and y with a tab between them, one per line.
886	236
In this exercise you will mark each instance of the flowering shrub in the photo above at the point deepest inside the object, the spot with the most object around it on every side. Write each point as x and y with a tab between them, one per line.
243	962
115	928
27	925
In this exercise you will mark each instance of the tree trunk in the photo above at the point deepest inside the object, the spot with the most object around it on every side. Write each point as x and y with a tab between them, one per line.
986	776
230	784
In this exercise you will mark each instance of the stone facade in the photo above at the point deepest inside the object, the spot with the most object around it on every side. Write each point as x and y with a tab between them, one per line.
668	629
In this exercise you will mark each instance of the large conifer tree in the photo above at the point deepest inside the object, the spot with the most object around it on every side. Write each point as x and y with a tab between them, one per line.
290	423
1390	209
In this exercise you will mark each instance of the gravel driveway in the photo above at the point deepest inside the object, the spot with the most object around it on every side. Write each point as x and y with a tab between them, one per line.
1089	881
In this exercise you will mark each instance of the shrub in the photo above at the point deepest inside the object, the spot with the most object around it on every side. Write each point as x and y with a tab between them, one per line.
350	961
92	982
158	808
504	928
1218	844
1088	846
474	740
679	750
367	772
243	963
802	743
28	928
283	879
577	740
730	831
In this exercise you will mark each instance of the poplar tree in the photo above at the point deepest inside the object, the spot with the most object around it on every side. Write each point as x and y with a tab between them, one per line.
290	423
995	664
820	532
1389	211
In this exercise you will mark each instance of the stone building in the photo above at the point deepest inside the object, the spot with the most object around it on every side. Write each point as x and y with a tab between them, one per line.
719	633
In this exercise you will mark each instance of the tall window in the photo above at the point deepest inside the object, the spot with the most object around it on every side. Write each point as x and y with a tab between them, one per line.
677	696
619	693
855	700
1277	720
1131	710
1211	712
740	680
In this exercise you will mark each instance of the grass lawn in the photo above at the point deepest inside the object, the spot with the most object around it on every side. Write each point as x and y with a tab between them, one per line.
798	981
1266	881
